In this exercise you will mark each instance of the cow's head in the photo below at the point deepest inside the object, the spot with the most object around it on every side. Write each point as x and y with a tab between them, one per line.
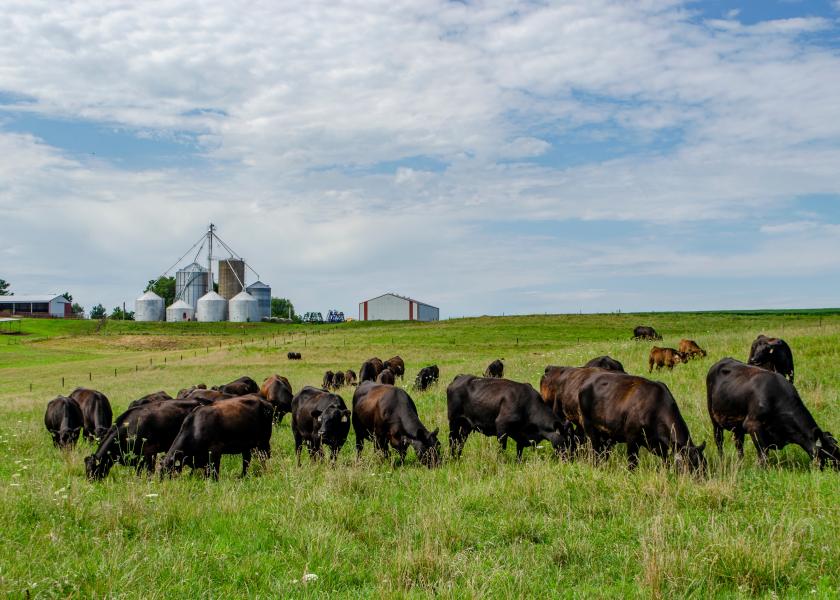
560	438
96	467
827	449
691	458
68	436
763	355
332	425
427	447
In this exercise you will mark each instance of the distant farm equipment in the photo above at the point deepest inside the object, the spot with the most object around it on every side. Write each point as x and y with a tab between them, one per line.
335	316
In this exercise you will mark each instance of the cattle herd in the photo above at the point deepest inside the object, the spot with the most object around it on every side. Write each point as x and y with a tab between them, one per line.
597	406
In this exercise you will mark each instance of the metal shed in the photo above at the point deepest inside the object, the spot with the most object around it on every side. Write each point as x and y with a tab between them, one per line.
393	307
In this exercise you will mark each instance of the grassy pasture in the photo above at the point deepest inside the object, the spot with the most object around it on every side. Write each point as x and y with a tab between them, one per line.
483	526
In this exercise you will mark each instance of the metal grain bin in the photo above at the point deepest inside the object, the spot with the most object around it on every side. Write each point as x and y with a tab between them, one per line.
191	284
231	277
148	307
180	311
243	308
211	308
262	294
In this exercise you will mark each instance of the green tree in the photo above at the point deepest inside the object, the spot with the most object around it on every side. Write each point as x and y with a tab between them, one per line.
68	296
4	288
283	307
78	309
163	287
118	314
97	312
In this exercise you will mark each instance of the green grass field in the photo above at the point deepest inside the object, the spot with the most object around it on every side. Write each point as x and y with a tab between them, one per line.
483	526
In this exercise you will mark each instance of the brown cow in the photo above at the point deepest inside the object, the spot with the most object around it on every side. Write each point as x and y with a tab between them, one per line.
96	410
386	376
689	349
278	392
350	377
664	357
397	366
559	388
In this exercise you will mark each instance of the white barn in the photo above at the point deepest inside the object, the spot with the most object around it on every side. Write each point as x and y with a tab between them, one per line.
393	307
43	305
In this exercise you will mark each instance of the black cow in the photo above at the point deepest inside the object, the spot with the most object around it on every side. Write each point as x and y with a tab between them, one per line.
368	372
293	356
96	410
240	387
387	416
159	396
338	380
606	362
64	421
236	426
207	396
560	388
278	392
645	333
327	383
620	408
501	408
397	366
772	354
386	376
319	417
350	377
495	369
138	436
747	399
426	377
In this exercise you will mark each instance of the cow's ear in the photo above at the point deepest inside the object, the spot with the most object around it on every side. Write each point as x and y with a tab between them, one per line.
771	350
345	416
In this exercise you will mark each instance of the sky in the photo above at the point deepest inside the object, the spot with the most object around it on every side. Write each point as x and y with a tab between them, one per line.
483	157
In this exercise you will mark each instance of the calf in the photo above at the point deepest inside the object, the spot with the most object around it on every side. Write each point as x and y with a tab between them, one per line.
387	416
319	417
747	399
645	333
240	387
350	377
277	391
338	380
664	357
327	383
96	410
158	396
426	377
772	354
501	408
138	436
397	366
64	421
689	349
386	376
606	362
621	408
495	369
236	426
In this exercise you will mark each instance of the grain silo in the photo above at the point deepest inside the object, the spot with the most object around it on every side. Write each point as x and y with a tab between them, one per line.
242	308
148	307
262	294
180	311
231	277
191	284
211	308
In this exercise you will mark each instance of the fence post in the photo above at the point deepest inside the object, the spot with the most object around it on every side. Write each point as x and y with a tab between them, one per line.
115	371
90	376
62	382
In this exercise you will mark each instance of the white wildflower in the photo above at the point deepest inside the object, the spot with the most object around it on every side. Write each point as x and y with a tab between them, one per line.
307	577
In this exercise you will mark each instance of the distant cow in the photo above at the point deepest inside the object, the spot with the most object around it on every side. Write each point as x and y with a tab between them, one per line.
159	396
138	436
606	362
64	421
495	369
350	377
338	380
327	382
319	418
236	426
621	408
240	387
772	354
370	370
501	408
747	399
426	377
560	388
664	357
645	333
387	416
397	366
293	355
689	349
277	391
386	376
96	410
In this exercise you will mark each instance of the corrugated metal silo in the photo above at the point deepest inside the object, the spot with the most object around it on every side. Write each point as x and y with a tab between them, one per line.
243	308
148	307
211	308
262	294
231	277
180	311
191	284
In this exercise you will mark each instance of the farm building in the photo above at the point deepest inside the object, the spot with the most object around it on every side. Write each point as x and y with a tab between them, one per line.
45	305
393	307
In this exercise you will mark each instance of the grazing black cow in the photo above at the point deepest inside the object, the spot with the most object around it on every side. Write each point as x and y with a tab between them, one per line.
645	333
747	399
239	387
426	377
772	354
96	410
338	380
386	376
159	396
664	357
64	421
207	396
319	417
620	408
397	366
368	372
138	436
560	388
278	392
350	377
293	355
236	426
328	380
387	415
495	369
606	362
689	349
501	408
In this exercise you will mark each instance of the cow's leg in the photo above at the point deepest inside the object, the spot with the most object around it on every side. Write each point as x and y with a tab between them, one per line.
298	445
738	436
383	446
246	461
457	437
333	453
632	455
521	444
718	431
214	465
359	431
